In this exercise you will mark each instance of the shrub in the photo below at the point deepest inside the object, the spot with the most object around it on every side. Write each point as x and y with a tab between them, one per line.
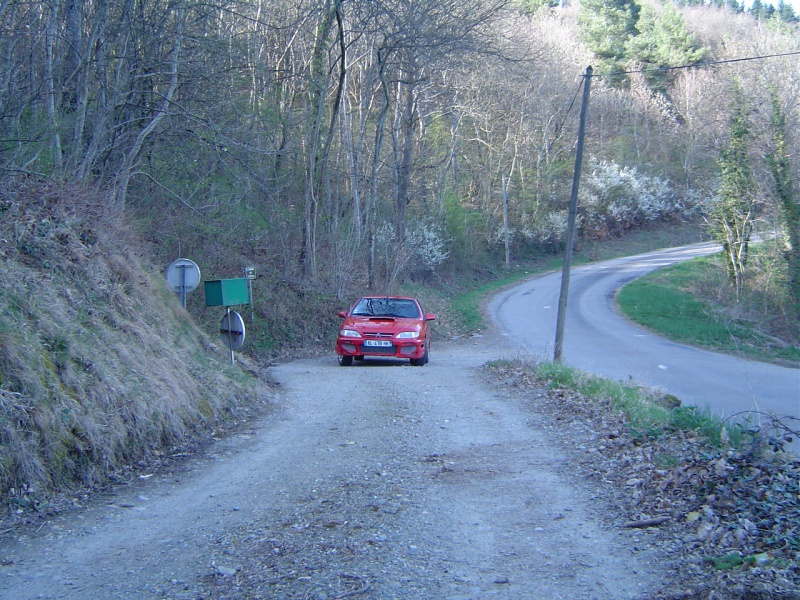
615	199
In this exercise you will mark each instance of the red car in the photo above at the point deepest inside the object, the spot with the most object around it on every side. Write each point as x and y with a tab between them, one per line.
386	326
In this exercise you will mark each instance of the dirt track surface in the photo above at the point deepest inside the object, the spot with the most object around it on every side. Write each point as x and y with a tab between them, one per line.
379	481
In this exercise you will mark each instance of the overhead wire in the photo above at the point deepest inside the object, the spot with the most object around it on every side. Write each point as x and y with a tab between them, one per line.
559	129
700	65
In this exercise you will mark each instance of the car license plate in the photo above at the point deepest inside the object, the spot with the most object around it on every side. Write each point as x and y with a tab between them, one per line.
379	343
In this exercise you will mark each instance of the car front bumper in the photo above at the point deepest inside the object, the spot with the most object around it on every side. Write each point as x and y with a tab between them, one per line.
398	349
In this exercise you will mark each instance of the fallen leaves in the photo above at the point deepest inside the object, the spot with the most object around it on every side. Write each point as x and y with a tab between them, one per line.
733	512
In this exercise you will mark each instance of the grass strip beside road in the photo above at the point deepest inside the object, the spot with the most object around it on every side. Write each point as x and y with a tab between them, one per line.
665	302
468	305
649	413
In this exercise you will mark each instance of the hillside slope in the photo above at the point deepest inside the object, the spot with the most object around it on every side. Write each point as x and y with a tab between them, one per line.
100	366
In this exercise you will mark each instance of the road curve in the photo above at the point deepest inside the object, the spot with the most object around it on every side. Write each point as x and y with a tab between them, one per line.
599	340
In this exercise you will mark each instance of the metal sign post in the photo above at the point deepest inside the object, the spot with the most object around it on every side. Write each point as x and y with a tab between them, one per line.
183	276
227	293
232	330
250	275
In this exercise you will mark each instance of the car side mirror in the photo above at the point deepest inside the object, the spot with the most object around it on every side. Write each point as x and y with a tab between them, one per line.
430	317
342	314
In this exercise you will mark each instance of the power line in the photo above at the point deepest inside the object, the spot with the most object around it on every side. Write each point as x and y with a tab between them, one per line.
714	63
699	65
560	126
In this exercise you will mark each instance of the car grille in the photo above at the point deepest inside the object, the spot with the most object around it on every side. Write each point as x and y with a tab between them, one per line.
376	335
379	349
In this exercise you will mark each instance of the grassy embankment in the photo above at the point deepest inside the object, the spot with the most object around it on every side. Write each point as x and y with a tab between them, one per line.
100	367
690	303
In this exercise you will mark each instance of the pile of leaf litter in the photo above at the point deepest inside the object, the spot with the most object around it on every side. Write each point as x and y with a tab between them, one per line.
727	519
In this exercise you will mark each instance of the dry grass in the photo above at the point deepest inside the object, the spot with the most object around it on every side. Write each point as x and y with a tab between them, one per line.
99	364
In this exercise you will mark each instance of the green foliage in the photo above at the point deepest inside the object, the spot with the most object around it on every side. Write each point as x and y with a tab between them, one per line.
734	210
670	302
735	560
663	41
703	422
788	200
630	34
533	6
761	10
783	12
786	13
463	225
728	562
608	25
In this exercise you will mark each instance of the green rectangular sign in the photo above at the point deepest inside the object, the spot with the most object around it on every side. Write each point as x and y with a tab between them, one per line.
226	292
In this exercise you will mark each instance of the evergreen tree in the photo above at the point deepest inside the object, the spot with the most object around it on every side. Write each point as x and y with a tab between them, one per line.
663	41
785	12
607	26
761	10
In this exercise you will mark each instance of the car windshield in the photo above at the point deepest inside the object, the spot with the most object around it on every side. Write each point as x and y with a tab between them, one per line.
386	307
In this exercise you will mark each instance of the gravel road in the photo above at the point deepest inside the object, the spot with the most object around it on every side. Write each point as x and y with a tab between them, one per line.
378	481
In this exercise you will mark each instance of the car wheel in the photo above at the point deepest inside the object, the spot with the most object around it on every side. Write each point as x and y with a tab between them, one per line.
421	361
345	361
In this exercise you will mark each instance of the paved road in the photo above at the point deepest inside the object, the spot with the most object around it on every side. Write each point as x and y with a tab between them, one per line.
599	340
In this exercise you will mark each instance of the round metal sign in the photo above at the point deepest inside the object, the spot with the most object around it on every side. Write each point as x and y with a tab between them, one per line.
183	275
232	330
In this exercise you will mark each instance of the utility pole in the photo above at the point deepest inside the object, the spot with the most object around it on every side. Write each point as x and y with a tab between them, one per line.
573	212
505	221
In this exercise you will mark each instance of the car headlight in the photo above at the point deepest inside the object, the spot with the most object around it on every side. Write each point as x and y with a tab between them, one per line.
349	333
408	335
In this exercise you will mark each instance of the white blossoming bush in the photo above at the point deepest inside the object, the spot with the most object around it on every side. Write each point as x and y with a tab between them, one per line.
551	229
548	230
615	199
424	248
426	244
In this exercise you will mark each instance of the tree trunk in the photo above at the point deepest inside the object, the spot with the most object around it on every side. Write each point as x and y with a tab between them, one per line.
131	158
407	145
51	87
372	211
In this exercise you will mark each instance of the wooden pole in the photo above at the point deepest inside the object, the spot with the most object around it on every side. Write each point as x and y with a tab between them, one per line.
505	222
573	212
